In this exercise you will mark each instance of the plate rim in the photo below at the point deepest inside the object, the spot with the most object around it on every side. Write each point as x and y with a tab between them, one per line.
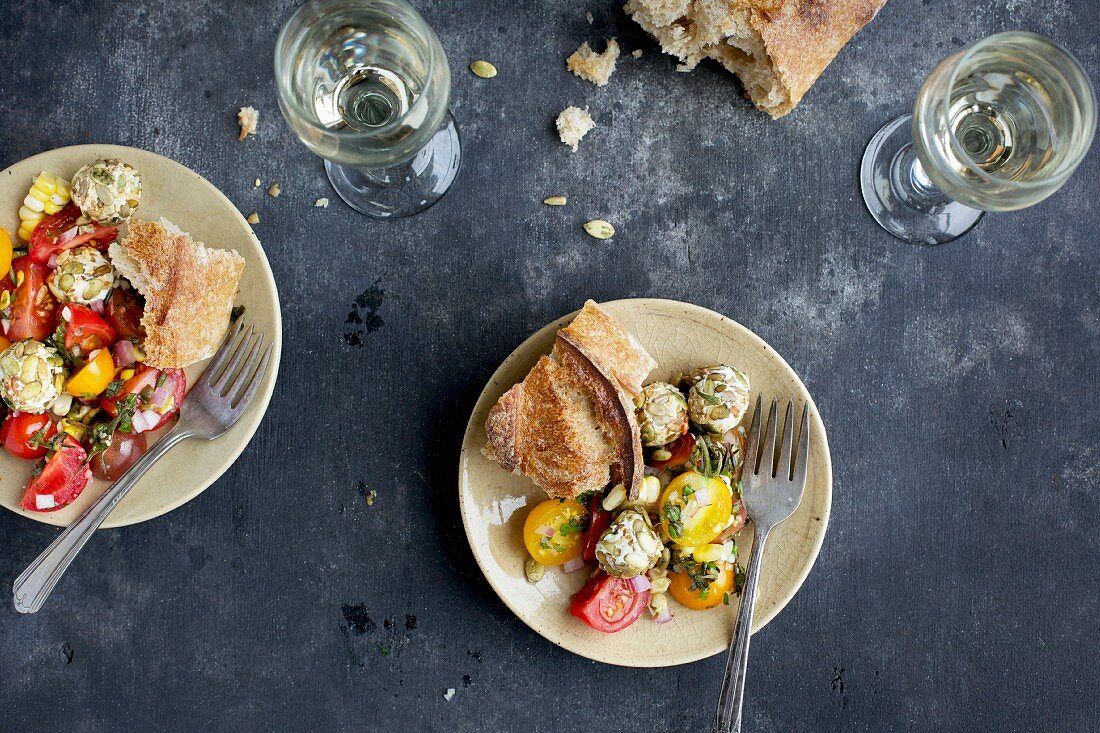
760	619
264	398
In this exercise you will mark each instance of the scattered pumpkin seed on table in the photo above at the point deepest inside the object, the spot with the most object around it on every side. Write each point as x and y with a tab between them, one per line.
599	229
483	69
555	201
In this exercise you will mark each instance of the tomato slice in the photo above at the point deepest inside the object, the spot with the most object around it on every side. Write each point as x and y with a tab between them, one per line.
553	531
686	590
608	604
64	476
598	522
680	450
33	308
85	330
20	427
44	240
125	307
694	509
144	385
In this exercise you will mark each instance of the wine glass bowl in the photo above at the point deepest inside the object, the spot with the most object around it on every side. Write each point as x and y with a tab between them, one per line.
1003	124
365	84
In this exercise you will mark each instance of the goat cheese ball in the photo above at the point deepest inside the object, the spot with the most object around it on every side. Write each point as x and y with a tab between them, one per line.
663	416
630	546
107	190
718	398
31	376
83	275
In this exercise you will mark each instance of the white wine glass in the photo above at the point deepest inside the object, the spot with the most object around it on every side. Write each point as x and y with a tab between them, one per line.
998	126
365	84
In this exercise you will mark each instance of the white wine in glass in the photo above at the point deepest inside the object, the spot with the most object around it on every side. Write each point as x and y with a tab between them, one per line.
365	84
998	126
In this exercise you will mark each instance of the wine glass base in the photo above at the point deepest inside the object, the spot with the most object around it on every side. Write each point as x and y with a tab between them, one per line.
406	189
899	195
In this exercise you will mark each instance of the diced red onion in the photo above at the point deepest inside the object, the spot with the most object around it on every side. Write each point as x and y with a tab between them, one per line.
640	583
124	352
665	617
573	565
67	235
161	395
97	307
52	262
650	471
67	314
702	496
546	531
144	420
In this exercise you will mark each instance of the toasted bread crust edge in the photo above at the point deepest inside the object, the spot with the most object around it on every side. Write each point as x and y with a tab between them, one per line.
618	411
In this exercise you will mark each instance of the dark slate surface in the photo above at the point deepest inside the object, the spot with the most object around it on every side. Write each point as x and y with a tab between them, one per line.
957	588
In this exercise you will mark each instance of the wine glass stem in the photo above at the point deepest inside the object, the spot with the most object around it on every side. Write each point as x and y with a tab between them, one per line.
911	181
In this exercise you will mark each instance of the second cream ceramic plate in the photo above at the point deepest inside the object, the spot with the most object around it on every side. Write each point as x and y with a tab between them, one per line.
191	202
495	503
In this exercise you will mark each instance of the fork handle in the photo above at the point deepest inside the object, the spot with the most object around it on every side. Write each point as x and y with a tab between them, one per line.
728	717
40	577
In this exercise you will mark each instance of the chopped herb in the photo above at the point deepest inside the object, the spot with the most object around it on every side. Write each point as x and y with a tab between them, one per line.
725	599
584	497
575	525
113	388
57	340
383	649
544	543
708	398
688	491
236	313
161	379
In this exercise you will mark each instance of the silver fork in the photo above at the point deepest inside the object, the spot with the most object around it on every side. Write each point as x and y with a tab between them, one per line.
771	492
222	394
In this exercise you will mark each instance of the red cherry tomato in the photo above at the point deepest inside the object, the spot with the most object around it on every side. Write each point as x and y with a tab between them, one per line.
125	450
125	307
62	479
33	308
680	450
85	330
44	244
19	428
608	604
143	384
598	522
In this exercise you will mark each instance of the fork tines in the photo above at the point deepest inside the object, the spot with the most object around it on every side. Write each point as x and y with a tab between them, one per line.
778	465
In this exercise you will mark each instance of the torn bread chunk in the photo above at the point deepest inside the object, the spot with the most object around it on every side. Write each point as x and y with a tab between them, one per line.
778	49
594	67
573	124
189	290
247	118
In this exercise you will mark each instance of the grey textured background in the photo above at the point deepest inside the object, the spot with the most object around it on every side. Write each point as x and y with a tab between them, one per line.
957	588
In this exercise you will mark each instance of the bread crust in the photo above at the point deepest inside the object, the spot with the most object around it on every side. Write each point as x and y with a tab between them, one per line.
778	47
189	290
570	425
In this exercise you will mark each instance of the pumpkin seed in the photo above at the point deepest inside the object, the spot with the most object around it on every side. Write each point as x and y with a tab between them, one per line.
555	201
92	289
483	69
29	372
9	365
65	281
5	300
662	455
534	570
30	392
599	229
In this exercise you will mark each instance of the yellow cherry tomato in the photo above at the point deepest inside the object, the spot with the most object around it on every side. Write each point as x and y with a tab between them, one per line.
5	252
709	596
695	509
93	377
553	531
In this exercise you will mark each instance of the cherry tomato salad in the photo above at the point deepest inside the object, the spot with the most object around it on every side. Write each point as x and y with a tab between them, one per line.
678	537
77	397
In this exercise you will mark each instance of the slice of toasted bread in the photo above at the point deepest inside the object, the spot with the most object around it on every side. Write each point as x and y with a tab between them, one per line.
188	287
569	425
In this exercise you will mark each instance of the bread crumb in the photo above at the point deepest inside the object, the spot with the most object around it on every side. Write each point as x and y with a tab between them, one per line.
450	693
256	183
321	203
636	53
595	67
573	124
371	496
274	190
588	17
684	68
253	218
248	118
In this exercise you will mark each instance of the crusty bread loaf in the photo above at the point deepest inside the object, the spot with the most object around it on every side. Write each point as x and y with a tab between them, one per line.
777	47
189	290
569	425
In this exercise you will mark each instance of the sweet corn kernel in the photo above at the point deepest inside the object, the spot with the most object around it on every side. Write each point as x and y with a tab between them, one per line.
126	374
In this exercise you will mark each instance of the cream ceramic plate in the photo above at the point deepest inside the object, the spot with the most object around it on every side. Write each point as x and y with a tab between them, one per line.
494	503
187	199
